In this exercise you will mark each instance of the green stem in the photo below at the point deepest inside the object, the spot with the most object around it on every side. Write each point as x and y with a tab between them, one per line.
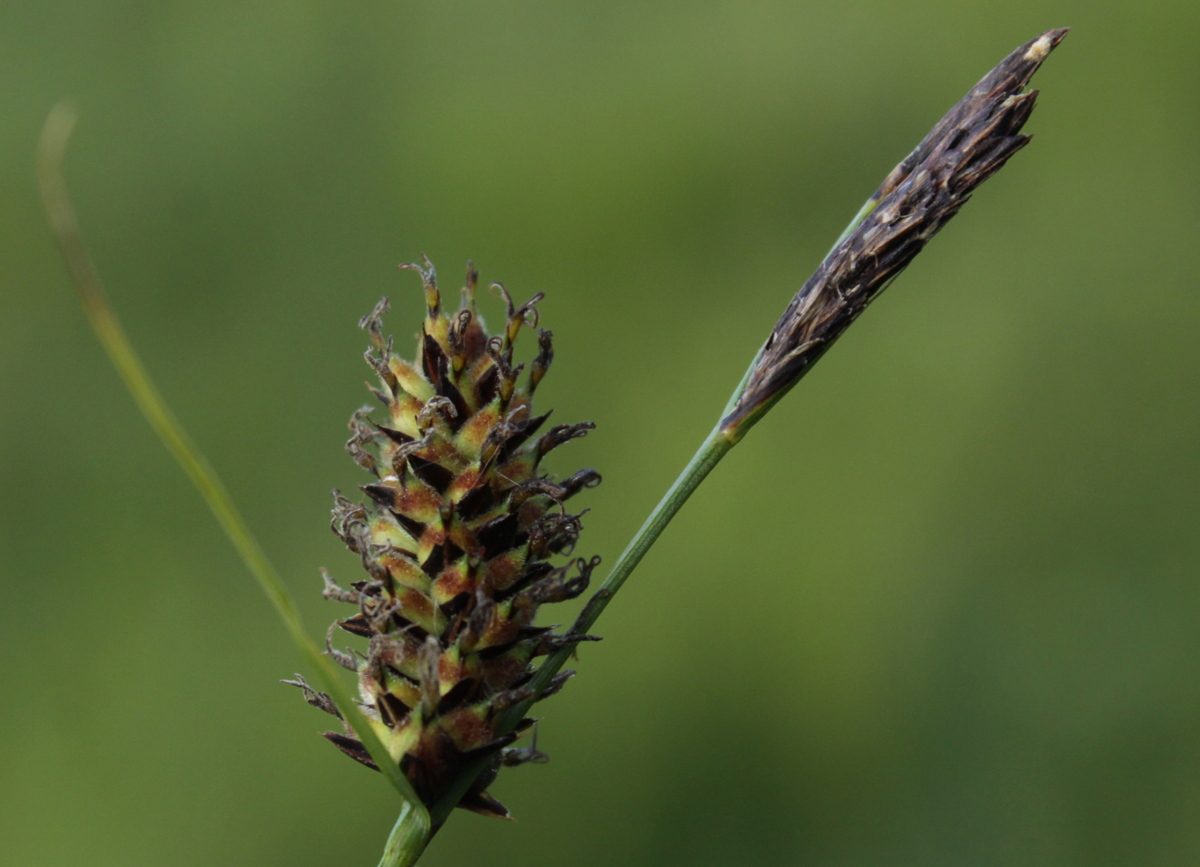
133	373
409	837
714	447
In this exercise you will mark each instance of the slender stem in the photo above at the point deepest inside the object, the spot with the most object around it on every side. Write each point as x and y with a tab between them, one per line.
714	447
409	838
709	454
112	337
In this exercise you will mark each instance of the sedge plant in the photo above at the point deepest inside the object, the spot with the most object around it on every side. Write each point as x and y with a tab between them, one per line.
461	534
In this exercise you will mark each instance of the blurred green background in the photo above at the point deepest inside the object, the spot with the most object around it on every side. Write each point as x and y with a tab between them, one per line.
940	608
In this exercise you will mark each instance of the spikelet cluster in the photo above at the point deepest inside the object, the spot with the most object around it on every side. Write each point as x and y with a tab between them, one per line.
458	538
968	145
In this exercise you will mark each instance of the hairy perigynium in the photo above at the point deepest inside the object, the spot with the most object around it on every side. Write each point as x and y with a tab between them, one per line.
457	539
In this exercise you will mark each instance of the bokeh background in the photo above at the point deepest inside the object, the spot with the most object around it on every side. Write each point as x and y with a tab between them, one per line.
942	607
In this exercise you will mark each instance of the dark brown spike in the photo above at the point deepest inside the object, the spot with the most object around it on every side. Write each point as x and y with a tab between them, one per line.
461	693
485	805
357	625
433	359
929	186
398	437
353	748
434	475
475	502
532	572
497	536
414	527
487	386
522	433
381	494
384	400
455	606
1005	80
435	562
391	710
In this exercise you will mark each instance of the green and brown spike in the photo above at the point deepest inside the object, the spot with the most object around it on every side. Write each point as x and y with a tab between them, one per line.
457	540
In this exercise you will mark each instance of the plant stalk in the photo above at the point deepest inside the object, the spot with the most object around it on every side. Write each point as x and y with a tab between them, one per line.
409	837
715	446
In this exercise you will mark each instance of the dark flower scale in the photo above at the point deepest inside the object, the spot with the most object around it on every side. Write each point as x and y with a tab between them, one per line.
458	539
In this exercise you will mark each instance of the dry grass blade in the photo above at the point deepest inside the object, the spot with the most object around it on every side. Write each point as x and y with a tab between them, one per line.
65	228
